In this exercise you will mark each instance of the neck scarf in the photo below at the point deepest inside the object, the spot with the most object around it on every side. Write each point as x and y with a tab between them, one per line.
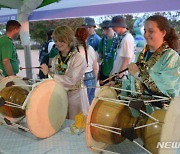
145	66
109	53
119	40
61	62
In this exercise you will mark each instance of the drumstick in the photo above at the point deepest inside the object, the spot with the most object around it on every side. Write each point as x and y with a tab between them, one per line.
115	75
13	124
21	68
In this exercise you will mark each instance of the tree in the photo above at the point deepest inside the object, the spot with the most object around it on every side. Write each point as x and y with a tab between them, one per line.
2	29
39	29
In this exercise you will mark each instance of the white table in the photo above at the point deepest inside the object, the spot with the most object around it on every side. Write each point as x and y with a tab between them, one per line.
14	141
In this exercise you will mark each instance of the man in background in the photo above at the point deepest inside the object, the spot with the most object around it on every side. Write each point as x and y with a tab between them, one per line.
93	38
107	50
9	63
125	47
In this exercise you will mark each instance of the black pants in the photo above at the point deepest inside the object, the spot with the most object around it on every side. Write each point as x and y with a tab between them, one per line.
45	60
102	77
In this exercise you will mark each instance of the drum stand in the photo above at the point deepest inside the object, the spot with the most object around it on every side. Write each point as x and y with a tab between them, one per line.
15	125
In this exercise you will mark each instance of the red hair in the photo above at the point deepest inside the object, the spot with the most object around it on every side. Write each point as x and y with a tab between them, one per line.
82	35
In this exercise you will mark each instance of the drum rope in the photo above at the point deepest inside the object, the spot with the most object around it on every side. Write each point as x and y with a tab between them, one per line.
110	127
162	98
105	128
12	104
22	85
142	147
119	102
28	96
166	98
126	97
149	116
102	150
138	127
113	100
145	101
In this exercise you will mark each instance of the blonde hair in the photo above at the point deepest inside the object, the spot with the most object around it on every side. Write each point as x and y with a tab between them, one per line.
65	34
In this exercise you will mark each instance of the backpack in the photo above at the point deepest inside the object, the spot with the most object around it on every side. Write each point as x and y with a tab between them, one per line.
45	60
44	50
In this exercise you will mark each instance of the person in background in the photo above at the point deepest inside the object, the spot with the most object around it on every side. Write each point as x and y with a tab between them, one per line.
125	47
68	68
91	73
107	49
9	63
93	38
50	40
46	47
156	70
45	50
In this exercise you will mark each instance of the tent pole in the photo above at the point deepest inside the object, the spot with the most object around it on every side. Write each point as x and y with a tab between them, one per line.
25	40
27	56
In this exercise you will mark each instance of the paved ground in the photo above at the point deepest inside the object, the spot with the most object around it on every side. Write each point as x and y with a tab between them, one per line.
34	60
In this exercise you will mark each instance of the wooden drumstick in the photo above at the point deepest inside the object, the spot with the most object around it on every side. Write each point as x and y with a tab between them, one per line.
13	124
115	75
21	68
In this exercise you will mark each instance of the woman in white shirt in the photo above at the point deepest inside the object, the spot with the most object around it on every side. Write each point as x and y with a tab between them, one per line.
91	73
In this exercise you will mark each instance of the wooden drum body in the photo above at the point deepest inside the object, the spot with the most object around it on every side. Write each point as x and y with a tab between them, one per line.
44	106
13	94
105	115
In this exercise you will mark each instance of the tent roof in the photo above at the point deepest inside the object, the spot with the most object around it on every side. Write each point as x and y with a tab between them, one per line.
15	4
80	8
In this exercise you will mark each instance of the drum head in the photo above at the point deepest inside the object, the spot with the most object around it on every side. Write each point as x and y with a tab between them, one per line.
106	92
18	81
170	129
46	109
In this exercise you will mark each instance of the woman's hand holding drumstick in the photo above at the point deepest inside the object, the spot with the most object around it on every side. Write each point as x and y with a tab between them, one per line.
114	75
27	68
44	68
132	68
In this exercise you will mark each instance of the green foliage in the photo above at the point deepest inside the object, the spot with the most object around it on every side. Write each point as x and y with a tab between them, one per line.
39	29
130	21
2	29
